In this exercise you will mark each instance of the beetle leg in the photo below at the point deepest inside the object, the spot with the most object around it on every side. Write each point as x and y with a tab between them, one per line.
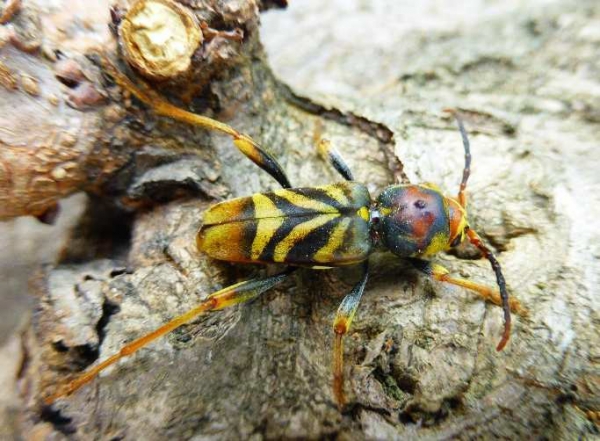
341	325
229	296
260	156
438	272
329	153
441	274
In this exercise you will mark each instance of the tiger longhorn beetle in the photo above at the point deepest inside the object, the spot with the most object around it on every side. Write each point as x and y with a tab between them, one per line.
319	227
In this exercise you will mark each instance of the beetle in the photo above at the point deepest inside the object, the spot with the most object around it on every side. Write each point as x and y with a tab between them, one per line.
319	227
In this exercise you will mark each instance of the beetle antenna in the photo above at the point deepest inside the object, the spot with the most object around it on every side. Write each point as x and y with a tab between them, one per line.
462	195
476	240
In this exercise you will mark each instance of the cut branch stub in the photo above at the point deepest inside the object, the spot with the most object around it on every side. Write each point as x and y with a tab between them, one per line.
159	38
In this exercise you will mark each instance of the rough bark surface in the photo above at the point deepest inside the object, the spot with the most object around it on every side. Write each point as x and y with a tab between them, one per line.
420	359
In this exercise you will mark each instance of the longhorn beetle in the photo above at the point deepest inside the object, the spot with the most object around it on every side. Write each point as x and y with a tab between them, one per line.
320	227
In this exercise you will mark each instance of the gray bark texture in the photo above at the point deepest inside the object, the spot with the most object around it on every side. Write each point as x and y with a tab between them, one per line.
374	78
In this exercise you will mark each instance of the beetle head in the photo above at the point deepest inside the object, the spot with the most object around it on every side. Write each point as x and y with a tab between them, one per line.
418	220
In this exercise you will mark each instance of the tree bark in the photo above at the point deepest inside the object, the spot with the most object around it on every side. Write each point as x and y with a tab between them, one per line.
420	360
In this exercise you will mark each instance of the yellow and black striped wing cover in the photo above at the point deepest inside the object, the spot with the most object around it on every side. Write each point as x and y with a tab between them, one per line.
315	226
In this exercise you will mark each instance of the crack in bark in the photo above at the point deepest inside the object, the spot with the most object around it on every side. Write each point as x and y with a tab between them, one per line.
59	422
108	310
377	130
374	129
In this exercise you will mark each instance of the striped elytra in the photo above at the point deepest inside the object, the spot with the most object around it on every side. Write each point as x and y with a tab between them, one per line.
317	226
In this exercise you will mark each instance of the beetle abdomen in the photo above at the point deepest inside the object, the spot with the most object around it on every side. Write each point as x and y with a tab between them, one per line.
326	226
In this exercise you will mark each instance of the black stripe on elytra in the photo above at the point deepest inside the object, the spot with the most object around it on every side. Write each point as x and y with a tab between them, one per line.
291	210
304	250
316	194
280	234
246	212
320	195
249	229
